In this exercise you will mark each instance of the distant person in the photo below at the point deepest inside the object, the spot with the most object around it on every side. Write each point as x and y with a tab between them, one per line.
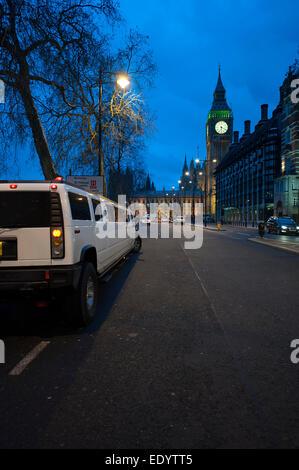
261	228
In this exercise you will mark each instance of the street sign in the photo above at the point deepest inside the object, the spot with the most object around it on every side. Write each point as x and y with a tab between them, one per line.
94	184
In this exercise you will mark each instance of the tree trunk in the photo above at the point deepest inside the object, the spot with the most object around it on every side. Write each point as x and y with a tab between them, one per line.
38	133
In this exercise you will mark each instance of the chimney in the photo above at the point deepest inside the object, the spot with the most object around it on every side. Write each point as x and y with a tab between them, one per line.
247	127
264	112
236	137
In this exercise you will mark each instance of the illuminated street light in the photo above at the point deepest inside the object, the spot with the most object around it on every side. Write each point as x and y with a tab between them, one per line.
214	161
187	173
123	81
197	161
180	182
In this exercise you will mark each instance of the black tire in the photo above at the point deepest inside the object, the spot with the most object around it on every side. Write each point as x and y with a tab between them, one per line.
137	245
83	302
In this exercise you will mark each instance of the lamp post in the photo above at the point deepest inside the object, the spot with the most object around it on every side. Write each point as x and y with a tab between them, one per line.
205	188
192	182
122	82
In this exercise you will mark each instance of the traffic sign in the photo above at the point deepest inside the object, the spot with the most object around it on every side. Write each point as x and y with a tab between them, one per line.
94	184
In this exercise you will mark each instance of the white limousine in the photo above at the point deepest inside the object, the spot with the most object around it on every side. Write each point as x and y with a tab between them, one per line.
57	238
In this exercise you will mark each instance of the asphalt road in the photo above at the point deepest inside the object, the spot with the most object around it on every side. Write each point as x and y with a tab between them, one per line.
190	349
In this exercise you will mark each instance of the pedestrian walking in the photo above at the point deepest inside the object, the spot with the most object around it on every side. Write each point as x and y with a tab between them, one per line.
261	228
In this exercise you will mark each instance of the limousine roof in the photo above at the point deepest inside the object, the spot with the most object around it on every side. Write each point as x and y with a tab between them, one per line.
56	181
60	182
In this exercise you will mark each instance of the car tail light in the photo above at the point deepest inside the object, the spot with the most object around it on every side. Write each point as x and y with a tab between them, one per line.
54	186
57	233
57	243
13	186
59	178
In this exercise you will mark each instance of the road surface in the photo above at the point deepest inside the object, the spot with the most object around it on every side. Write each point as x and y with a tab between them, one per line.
190	349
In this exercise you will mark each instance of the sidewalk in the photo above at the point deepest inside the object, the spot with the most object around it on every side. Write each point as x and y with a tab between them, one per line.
289	247
225	227
214	228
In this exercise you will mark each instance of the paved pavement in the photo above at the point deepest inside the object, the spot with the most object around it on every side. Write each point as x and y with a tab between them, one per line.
190	349
288	246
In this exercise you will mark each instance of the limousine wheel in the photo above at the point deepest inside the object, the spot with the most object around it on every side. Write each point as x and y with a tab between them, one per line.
85	299
137	245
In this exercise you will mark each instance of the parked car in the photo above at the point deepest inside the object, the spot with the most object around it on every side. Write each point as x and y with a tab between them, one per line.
52	242
282	226
146	219
179	220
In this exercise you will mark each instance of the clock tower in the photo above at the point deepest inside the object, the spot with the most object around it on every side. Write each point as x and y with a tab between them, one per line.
219	139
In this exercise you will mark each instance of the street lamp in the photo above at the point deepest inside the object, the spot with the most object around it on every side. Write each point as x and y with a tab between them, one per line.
123	82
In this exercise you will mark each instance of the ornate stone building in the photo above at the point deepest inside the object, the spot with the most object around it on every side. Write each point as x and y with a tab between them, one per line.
286	198
245	177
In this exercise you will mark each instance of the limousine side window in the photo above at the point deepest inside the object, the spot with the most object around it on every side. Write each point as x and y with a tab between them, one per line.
130	217
79	207
100	212
111	213
120	214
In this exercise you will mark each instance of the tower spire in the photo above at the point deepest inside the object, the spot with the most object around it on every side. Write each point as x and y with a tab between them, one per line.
219	88
185	164
219	102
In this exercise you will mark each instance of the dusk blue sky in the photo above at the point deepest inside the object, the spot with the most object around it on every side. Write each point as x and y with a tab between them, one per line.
254	40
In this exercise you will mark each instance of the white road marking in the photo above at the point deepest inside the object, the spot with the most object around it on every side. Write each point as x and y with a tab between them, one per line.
29	358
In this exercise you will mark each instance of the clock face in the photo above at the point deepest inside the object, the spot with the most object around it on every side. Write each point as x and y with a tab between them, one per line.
221	127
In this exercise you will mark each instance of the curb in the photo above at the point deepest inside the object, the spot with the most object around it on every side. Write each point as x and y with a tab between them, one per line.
272	245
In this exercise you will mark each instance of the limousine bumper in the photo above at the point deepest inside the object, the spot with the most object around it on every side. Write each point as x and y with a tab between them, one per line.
39	278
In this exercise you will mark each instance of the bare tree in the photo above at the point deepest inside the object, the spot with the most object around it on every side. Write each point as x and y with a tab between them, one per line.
74	125
37	38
